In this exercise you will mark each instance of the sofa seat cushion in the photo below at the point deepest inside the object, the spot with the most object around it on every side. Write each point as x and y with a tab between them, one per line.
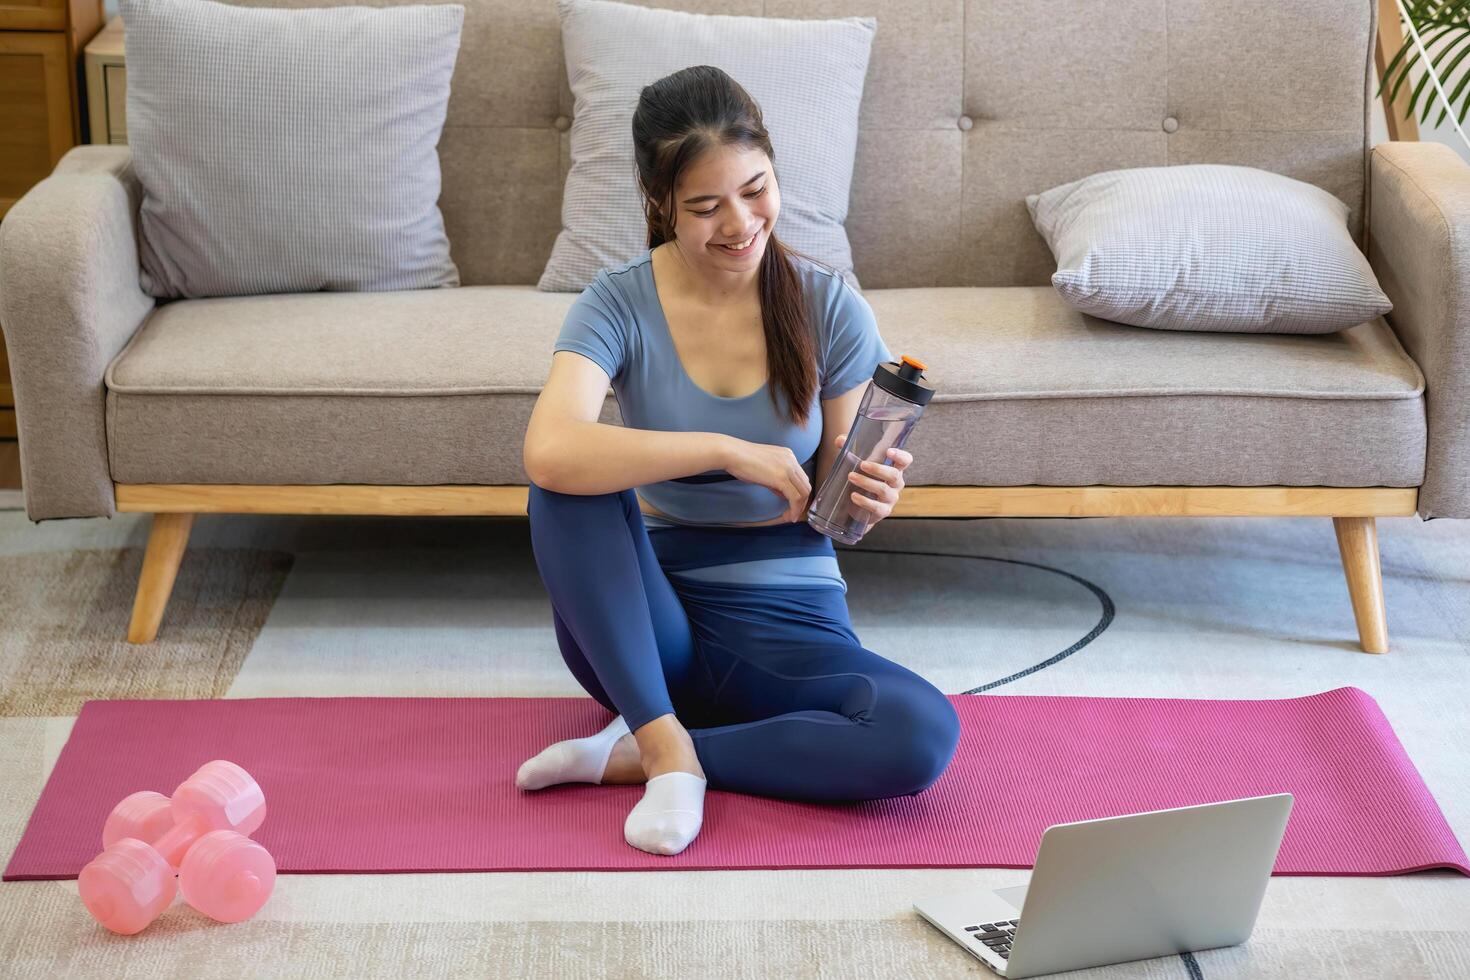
436	387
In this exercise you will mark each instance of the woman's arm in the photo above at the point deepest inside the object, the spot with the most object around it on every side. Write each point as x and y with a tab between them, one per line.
568	450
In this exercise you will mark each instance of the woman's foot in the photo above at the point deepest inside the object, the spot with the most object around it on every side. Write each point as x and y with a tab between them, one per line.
574	760
664	745
625	764
671	812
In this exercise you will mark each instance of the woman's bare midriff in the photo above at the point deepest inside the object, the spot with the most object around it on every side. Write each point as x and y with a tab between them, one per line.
648	508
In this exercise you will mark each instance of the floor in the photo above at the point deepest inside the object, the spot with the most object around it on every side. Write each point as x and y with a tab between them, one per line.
268	606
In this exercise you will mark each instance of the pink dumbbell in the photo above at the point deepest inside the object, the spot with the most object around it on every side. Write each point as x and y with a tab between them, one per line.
202	832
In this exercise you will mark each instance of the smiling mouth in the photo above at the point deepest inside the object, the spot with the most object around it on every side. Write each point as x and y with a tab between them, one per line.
750	244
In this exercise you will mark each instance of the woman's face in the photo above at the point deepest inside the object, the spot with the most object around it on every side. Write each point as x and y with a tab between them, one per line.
734	198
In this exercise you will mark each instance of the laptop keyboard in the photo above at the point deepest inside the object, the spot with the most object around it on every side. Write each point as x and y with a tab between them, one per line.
997	935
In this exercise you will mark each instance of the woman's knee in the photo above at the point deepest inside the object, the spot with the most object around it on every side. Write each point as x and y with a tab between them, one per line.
556	497
540	500
922	730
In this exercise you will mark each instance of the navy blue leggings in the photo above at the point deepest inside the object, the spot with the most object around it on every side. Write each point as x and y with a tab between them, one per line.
772	683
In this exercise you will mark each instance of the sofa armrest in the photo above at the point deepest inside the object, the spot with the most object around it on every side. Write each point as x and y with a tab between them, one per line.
1419	247
69	300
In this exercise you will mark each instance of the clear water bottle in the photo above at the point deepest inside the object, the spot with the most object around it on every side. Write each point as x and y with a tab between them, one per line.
890	407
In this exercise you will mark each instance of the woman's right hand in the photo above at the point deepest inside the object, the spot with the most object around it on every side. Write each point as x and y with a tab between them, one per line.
774	467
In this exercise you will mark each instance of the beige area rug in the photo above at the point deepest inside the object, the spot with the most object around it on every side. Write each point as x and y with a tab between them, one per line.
66	619
1236	608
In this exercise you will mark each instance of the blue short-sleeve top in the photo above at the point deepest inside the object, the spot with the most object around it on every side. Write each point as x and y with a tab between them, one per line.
618	322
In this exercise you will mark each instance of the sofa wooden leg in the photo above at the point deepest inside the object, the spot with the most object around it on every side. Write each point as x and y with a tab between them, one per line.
167	540
1357	540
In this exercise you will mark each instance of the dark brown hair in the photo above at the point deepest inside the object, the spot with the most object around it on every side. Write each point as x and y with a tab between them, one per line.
679	117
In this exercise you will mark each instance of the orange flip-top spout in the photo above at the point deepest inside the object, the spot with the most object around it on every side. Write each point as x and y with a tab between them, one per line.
905	359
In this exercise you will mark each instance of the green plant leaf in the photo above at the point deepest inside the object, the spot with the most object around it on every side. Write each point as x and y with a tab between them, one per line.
1447	71
1434	20
1402	75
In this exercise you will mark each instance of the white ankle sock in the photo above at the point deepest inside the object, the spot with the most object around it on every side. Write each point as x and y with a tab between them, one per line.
669	815
575	760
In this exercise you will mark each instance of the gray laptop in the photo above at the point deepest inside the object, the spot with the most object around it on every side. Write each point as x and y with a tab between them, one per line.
1125	888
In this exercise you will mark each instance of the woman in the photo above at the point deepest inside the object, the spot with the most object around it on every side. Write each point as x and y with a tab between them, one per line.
708	614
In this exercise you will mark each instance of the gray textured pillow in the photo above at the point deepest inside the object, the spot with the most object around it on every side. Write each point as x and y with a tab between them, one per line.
807	76
287	151
1207	247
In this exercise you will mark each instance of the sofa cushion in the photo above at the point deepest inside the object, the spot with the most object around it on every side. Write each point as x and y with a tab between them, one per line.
1207	247
806	75
437	386
282	151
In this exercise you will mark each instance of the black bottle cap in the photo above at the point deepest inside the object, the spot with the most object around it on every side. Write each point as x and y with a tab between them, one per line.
904	378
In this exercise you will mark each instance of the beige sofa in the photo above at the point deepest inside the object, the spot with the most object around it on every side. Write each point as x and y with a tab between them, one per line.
417	402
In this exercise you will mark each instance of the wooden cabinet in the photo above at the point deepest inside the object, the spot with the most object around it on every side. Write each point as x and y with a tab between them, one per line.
34	15
36	125
7	400
40	87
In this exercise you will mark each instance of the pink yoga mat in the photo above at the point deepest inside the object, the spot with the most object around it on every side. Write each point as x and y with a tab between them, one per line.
428	784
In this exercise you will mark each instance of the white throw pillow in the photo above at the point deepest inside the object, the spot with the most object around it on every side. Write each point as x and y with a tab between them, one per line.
806	75
285	151
1207	247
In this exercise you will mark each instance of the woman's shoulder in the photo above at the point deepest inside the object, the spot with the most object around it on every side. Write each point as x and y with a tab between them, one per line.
816	273
634	265
829	291
617	291
834	302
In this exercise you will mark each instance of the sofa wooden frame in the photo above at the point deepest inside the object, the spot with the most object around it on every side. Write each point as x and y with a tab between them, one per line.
1353	511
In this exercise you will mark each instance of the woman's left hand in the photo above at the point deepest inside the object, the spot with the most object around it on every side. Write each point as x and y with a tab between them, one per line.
883	481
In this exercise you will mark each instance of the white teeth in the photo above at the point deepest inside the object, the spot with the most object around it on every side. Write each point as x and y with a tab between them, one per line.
743	245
